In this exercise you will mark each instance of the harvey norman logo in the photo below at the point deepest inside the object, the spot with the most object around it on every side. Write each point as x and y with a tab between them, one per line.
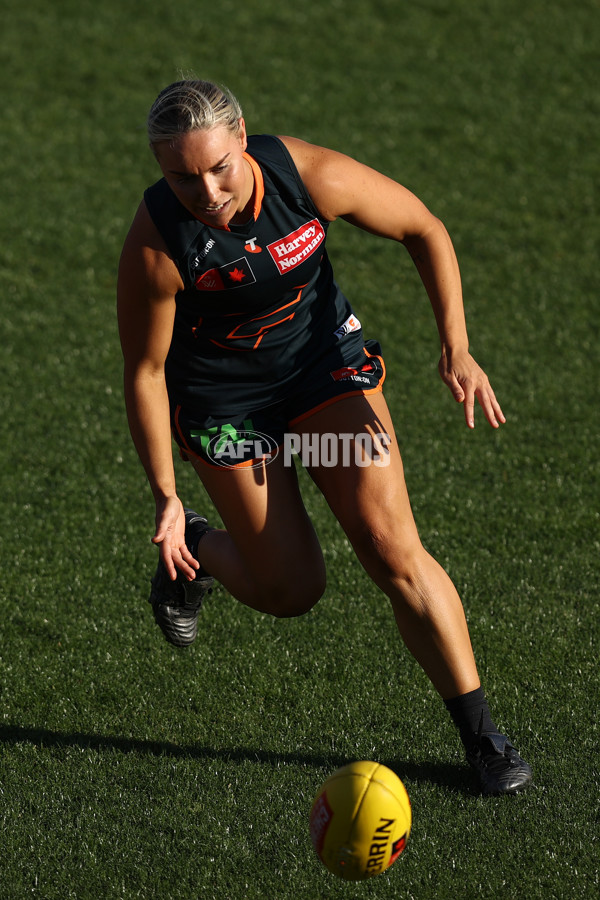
291	251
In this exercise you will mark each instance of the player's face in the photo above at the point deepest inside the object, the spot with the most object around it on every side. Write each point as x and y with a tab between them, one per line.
207	172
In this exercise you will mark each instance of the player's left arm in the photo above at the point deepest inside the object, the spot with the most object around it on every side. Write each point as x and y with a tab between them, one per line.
341	187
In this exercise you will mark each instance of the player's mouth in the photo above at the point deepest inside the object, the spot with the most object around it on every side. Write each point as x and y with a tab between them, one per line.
214	210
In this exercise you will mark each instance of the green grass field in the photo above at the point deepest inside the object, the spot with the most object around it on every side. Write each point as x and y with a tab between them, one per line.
128	770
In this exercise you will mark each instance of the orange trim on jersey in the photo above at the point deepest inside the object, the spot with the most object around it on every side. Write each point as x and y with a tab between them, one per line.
262	329
259	184
258	191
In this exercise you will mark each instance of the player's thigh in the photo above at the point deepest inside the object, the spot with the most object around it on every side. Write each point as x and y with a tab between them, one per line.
263	512
366	488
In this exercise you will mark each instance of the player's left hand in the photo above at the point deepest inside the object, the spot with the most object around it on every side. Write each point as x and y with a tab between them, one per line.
170	537
467	380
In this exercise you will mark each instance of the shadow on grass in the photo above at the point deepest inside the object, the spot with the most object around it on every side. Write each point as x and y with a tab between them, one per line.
451	777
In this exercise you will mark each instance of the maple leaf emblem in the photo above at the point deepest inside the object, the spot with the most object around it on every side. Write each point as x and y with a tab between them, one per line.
237	274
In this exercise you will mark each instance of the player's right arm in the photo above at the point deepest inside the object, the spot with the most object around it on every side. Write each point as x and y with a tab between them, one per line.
147	284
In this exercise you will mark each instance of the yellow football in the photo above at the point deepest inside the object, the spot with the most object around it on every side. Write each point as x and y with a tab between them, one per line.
360	820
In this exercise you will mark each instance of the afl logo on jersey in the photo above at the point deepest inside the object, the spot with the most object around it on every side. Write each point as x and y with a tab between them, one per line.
293	250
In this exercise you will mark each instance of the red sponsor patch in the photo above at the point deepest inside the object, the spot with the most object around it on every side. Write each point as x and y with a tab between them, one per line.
210	281
235	274
348	372
297	247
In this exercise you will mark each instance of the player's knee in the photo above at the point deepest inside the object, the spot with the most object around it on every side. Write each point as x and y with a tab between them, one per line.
385	554
297	596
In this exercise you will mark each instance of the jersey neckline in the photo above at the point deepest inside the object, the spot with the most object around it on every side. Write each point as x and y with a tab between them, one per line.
258	193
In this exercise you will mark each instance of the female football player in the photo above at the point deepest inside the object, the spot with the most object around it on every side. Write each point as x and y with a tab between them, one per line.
239	343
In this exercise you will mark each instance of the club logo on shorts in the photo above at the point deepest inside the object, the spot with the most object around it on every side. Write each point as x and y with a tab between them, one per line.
348	373
297	247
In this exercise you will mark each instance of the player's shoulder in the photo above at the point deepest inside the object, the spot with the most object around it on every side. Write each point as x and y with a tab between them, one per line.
326	173
303	152
145	251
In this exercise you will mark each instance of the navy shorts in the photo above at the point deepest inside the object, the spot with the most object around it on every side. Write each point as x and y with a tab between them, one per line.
251	435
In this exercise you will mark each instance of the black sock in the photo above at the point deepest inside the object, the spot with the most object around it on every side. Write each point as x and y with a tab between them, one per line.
471	715
193	536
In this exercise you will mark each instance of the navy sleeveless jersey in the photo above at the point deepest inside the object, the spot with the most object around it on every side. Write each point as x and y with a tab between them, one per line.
260	306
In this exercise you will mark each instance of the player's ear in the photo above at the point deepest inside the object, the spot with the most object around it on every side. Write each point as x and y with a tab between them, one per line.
243	137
